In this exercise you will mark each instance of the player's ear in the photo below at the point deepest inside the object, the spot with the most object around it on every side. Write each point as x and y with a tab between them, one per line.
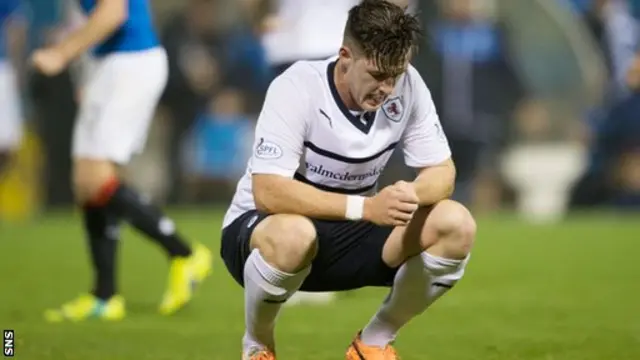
346	57
345	53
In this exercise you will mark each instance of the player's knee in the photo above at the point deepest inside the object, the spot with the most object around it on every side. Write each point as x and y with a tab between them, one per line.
89	178
288	242
455	229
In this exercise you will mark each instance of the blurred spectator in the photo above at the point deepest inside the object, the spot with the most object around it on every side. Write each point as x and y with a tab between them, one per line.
218	147
615	127
212	47
621	139
475	90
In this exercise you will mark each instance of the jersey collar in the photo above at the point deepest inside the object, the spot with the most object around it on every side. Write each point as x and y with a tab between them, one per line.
364	121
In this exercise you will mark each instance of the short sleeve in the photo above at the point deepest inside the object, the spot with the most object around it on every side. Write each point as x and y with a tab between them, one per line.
280	131
424	141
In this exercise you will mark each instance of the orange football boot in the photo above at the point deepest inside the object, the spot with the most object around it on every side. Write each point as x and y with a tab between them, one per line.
259	354
360	351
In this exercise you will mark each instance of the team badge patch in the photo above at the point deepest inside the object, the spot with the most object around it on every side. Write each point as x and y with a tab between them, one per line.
393	109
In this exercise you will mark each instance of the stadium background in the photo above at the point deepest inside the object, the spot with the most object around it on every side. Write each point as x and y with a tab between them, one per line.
538	116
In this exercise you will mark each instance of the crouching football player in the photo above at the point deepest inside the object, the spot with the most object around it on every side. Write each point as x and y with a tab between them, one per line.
306	215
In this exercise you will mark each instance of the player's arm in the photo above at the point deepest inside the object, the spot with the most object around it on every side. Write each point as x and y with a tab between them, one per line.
426	148
435	183
106	18
277	194
277	151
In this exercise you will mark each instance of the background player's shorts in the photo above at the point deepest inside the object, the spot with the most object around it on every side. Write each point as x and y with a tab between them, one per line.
349	253
10	109
118	104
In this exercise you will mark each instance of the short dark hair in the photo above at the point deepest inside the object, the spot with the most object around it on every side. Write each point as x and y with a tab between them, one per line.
382	32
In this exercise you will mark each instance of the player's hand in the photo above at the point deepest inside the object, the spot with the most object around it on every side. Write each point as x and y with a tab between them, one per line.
408	189
50	62
394	205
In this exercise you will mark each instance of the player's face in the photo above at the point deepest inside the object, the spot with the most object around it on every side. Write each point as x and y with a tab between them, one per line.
370	87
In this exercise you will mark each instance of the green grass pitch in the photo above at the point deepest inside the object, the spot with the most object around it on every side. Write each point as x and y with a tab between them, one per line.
564	292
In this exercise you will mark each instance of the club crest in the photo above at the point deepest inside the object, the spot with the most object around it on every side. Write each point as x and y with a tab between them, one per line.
393	109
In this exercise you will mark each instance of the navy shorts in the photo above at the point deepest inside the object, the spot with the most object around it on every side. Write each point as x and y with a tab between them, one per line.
349	253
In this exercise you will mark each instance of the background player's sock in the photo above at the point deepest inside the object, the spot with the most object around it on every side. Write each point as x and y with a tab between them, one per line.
265	289
418	283
102	233
125	202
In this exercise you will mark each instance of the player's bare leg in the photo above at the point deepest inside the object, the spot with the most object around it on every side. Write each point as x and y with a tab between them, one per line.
283	247
90	177
432	252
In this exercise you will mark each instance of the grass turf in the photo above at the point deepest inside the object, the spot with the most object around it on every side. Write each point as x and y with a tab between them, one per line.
563	292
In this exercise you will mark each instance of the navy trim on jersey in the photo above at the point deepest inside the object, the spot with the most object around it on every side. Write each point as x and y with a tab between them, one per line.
326	153
369	117
301	178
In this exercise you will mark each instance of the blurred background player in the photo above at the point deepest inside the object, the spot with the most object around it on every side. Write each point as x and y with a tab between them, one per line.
306	30
12	38
311	30
116	109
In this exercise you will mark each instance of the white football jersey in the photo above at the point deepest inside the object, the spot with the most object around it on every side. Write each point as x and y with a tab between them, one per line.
306	132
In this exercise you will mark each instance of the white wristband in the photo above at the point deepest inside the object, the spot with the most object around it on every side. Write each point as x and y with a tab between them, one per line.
355	207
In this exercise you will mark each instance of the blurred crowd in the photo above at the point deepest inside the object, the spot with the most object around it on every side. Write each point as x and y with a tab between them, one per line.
501	72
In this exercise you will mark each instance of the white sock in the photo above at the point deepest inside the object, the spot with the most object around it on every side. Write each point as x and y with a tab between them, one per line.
265	290
418	283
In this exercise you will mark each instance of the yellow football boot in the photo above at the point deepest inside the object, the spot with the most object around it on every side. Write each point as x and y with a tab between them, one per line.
201	261
88	307
179	288
184	275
